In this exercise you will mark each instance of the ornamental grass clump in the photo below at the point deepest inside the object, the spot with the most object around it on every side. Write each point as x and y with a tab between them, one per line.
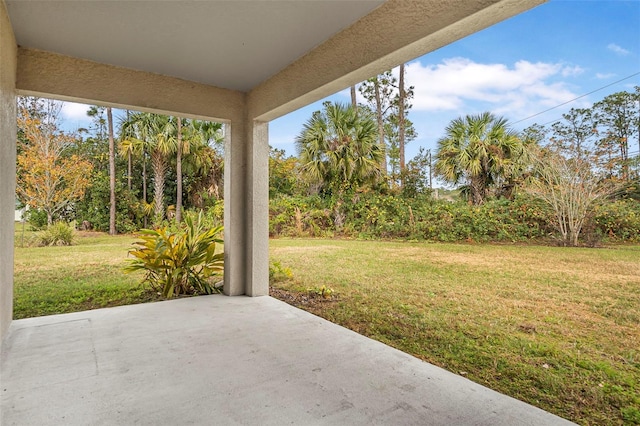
185	262
57	234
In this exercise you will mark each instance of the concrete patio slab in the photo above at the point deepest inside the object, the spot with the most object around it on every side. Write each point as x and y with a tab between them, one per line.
229	361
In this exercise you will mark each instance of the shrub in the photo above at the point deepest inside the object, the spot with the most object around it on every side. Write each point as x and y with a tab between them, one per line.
277	273
299	216
94	207
58	234
37	218
372	215
619	220
182	262
210	218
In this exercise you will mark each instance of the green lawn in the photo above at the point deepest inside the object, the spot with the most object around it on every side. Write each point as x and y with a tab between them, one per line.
53	280
556	327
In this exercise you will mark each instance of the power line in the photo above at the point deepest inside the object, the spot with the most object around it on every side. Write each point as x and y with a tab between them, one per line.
575	99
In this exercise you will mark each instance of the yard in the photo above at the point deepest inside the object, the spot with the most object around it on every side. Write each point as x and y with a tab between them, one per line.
555	327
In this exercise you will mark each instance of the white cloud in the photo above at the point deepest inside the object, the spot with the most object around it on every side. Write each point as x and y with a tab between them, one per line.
617	49
572	71
74	111
606	76
516	90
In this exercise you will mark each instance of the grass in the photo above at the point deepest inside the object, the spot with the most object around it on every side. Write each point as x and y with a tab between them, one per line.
53	280
555	327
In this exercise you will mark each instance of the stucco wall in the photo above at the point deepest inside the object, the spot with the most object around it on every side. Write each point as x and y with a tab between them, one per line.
8	61
62	77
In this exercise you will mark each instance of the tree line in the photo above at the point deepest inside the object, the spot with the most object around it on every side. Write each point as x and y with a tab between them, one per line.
142	169
116	176
587	159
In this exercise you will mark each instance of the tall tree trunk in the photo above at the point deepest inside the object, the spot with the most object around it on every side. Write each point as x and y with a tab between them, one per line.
401	123
129	160
112	175
144	181
478	190
354	102
381	142
159	165
179	173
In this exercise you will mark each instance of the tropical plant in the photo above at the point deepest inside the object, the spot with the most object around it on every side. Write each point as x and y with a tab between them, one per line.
156	135
477	151
193	150
338	148
182	262
179	150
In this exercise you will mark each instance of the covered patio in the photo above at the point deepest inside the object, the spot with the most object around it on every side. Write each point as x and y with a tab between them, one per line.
222	360
219	360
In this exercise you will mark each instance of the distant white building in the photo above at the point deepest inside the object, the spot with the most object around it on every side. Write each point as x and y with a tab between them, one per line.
19	212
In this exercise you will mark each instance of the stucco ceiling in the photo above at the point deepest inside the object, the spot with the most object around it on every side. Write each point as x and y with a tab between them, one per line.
228	44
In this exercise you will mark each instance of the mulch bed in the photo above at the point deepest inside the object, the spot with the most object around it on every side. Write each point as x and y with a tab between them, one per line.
309	301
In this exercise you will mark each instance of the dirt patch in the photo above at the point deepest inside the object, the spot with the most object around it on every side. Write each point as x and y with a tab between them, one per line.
90	234
305	300
299	249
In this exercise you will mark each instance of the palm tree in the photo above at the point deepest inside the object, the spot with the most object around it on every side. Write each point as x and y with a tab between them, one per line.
179	150
132	145
129	154
338	148
156	135
194	140
162	144
205	161
477	151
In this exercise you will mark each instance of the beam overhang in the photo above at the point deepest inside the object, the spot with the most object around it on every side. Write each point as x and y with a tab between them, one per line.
394	33
66	78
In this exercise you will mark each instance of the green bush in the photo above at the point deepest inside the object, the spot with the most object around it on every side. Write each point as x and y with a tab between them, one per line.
299	217
94	207
182	262
619	220
37	218
58	234
373	216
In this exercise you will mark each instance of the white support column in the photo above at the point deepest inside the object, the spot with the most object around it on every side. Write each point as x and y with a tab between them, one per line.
258	211
235	174
8	63
246	209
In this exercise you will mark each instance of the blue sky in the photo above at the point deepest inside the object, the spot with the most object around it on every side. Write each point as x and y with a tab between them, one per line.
532	62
